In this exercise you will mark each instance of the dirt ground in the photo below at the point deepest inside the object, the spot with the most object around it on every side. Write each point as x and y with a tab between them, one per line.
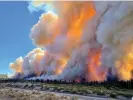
19	94
22	94
18	91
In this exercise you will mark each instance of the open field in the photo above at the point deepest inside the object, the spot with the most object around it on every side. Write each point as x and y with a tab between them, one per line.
79	89
19	94
24	94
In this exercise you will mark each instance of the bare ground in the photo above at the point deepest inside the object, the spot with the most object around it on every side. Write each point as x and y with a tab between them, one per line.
28	91
23	94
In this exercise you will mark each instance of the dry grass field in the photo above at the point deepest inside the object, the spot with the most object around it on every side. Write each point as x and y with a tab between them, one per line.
44	91
14	94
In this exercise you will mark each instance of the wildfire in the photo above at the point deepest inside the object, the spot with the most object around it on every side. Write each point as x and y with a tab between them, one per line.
94	74
61	66
67	30
124	67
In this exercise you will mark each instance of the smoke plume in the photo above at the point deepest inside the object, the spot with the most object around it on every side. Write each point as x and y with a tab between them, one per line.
80	40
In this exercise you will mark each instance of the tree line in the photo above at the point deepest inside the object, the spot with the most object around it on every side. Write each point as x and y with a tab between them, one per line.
108	84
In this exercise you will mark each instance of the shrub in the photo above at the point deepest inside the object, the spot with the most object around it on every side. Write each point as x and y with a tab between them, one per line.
113	95
100	93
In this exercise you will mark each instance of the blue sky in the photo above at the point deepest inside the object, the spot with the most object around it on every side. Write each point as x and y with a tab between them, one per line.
15	24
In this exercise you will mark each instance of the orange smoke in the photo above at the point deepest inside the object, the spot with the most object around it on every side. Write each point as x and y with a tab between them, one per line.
72	17
94	65
17	65
44	31
78	19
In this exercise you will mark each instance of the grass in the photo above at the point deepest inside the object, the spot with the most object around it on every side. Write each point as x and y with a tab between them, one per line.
80	89
86	90
12	94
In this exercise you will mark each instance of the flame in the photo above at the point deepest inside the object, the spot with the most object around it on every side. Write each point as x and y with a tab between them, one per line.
124	67
94	65
61	65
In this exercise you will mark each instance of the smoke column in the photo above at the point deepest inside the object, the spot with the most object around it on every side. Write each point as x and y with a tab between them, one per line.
80	40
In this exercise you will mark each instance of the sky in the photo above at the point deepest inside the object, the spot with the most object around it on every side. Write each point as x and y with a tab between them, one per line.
15	24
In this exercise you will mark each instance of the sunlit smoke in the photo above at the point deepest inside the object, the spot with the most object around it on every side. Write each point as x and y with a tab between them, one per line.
80	40
17	65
